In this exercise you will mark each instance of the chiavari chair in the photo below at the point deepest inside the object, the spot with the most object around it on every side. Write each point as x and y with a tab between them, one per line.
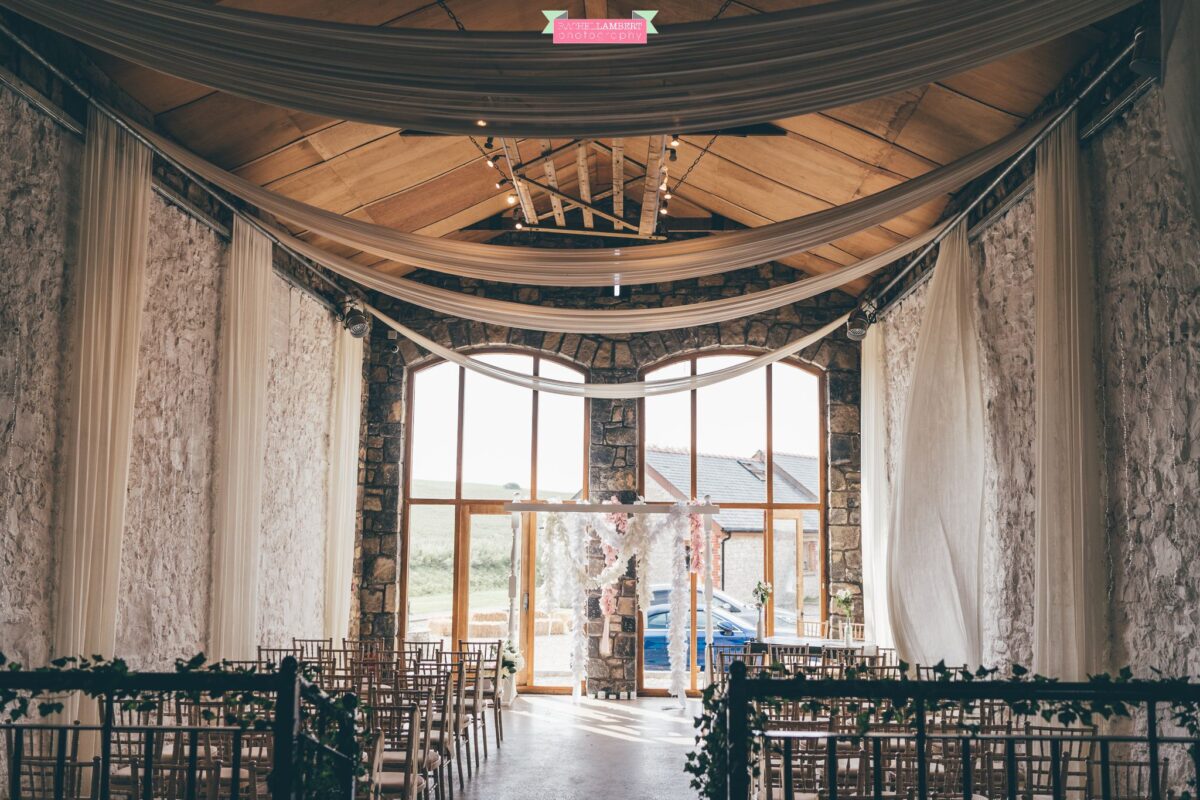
274	656
398	731
309	650
440	682
50	764
1130	780
492	668
467	664
422	651
394	760
1076	752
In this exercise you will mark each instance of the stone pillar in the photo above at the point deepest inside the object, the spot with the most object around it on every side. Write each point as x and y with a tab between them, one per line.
842	385
383	450
613	465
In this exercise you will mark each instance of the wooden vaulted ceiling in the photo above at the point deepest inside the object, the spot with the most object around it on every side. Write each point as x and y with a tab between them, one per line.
440	185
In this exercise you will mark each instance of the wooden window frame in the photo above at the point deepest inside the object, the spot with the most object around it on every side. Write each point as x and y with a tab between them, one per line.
768	507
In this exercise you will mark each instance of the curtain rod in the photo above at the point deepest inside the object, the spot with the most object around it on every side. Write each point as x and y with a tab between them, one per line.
869	309
119	120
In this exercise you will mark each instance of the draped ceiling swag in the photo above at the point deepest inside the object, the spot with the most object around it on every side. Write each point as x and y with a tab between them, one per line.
692	77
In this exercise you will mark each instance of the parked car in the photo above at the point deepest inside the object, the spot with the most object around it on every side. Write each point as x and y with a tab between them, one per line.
727	603
727	629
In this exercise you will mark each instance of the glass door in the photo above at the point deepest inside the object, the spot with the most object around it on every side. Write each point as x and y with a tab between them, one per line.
488	549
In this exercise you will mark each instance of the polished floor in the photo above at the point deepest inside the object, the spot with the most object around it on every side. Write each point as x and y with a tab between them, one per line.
555	749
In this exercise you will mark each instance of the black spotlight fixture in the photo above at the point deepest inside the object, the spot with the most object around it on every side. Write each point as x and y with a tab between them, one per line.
861	318
354	319
488	143
674	154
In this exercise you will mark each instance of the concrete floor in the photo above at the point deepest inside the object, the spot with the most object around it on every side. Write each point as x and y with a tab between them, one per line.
596	750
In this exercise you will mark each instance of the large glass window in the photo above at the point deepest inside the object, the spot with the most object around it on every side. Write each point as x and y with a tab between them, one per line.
753	446
475	443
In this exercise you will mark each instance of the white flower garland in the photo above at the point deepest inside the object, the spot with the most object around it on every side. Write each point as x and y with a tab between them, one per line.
565	565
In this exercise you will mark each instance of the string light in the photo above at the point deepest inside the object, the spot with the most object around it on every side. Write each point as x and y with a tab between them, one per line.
481	123
667	196
511	199
674	140
491	162
501	181
662	209
519	225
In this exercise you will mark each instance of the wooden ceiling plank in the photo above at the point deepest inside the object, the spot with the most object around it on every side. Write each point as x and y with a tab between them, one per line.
656	149
585	185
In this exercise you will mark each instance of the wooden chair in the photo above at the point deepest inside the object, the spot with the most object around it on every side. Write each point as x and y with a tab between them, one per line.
309	650
399	728
492	667
50	766
428	760
467	664
1076	746
1130	780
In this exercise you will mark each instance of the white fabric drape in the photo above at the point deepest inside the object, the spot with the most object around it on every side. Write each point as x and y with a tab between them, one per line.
1181	89
653	263
242	446
345	419
695	77
873	433
937	497
1070	566
594	321
609	390
112	263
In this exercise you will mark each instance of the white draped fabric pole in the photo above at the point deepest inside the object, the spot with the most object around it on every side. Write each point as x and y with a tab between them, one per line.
112	262
937	503
1181	89
874	491
345	421
1070	570
242	445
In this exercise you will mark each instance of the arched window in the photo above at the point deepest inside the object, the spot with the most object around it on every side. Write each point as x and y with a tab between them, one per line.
755	446
475	442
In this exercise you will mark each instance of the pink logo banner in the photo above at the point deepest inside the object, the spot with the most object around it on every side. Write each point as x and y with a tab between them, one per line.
600	31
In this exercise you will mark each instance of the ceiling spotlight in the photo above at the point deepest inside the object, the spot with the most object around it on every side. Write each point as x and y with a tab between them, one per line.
354	319
860	320
511	199
501	181
491	162
481	123
667	196
674	154
519	225
488	144
662	209
674	140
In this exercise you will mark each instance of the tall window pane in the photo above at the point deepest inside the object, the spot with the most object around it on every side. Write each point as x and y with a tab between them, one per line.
430	572
731	434
797	434
560	437
497	432
668	432
434	431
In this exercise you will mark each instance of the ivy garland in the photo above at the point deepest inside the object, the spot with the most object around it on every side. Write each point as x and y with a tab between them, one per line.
708	767
249	710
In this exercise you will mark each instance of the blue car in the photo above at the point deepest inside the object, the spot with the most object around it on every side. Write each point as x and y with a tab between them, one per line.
726	630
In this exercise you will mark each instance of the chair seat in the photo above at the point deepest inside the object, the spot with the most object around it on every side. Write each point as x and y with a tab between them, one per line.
394	760
397	782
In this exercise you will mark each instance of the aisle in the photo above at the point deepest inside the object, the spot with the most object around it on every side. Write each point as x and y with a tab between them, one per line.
556	750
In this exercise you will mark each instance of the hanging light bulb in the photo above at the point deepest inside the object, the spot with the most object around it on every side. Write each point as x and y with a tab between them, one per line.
501	181
511	199
481	123
519	225
491	162
667	196
662	209
674	140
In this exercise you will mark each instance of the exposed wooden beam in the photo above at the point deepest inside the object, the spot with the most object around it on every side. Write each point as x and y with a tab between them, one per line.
552	179
618	176
585	183
651	197
575	202
527	206
654	237
546	155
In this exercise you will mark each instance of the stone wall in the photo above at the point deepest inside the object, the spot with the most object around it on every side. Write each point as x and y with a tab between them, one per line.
291	567
39	170
1147	256
166	554
613	450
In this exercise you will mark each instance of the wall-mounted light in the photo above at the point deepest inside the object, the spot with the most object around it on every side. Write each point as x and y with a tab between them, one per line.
354	319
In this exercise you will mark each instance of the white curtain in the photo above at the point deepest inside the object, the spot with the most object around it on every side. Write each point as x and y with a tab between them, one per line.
241	450
112	264
1181	89
937	501
873	434
343	483
1070	566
